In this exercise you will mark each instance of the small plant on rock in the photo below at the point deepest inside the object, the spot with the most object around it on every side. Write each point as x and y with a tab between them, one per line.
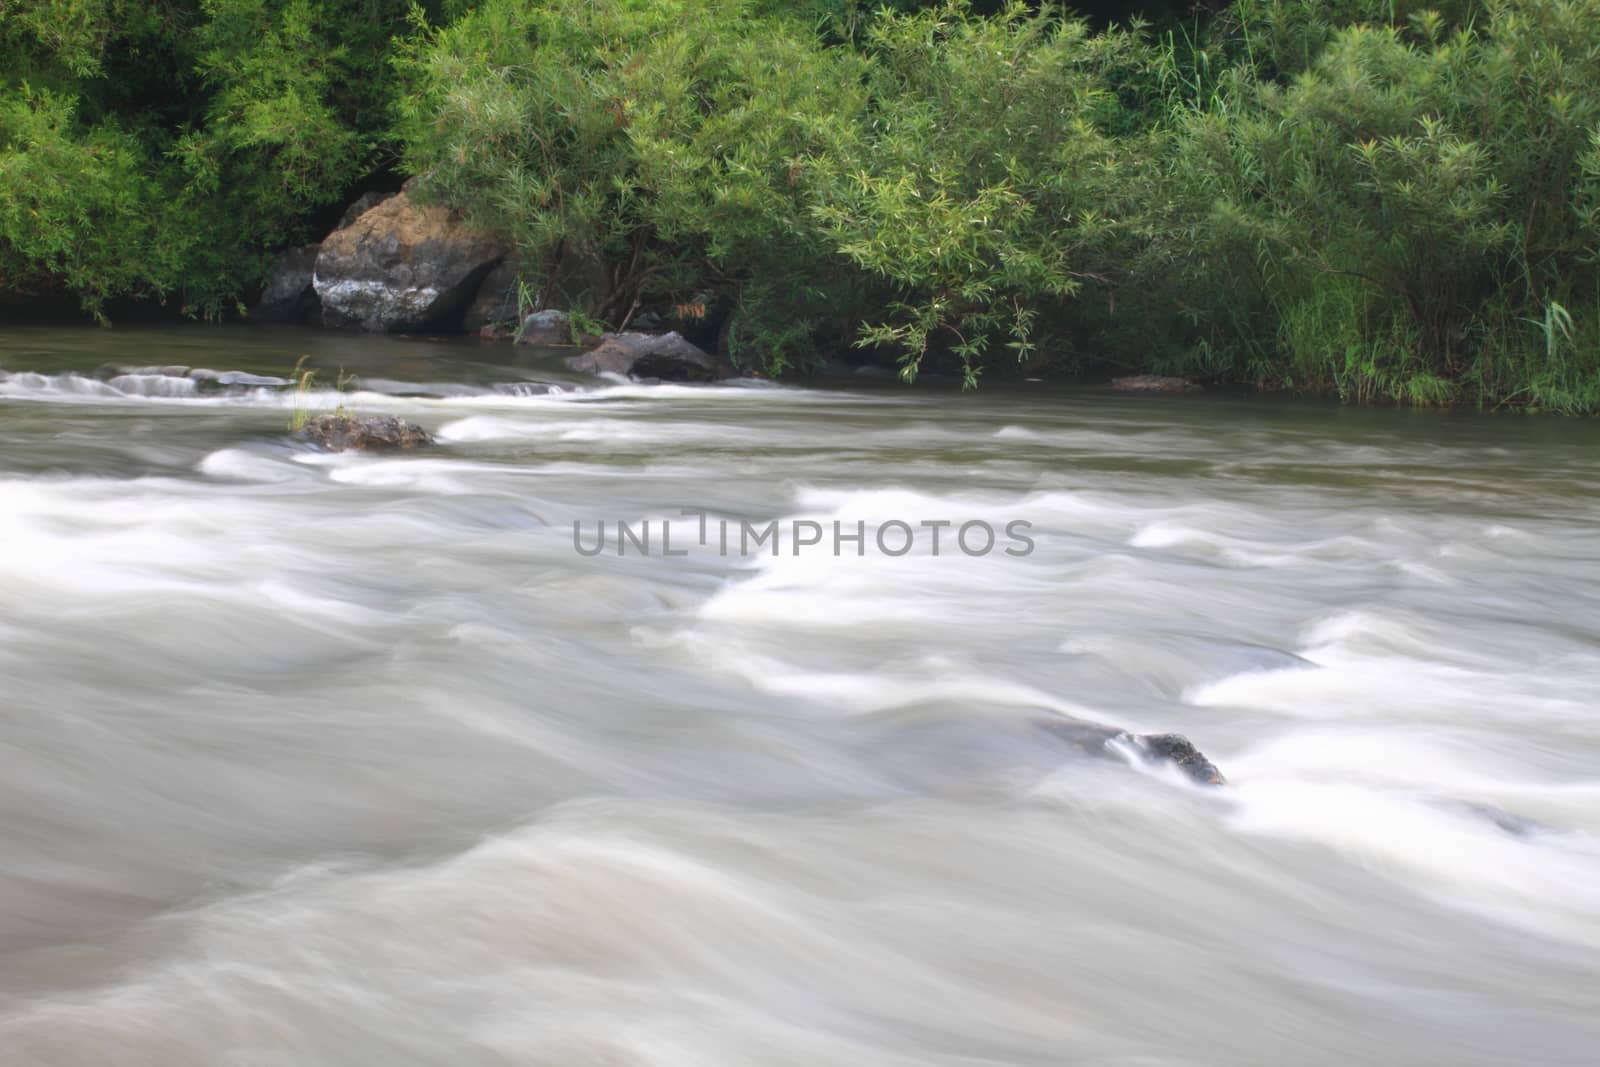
303	377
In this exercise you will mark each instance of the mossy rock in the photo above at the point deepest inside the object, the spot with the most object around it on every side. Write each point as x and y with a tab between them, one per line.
342	432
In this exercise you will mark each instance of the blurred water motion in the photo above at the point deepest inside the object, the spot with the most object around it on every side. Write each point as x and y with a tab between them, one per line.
319	759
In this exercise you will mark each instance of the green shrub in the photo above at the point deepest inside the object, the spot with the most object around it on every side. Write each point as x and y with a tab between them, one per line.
644	152
1376	198
986	188
956	169
77	207
1408	200
184	141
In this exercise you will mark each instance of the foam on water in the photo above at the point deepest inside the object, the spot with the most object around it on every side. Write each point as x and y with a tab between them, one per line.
62	387
351	759
1537	882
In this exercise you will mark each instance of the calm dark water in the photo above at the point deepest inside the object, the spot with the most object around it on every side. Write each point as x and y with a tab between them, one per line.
332	760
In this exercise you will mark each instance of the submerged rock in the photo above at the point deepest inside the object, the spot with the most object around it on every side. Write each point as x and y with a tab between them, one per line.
1509	822
1180	751
210	380
401	266
341	432
955	751
1154	383
666	356
1104	741
529	389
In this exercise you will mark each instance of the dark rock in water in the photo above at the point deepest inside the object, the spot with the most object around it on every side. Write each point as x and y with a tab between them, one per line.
1104	741
289	296
548	327
401	266
496	301
1153	383
667	357
1175	748
211	380
1511	823
940	752
370	433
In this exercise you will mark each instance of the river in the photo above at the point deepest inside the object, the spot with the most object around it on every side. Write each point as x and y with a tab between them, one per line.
350	760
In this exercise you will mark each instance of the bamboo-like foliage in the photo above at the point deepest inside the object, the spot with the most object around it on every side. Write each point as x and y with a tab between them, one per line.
1382	199
166	149
990	190
646	152
1410	202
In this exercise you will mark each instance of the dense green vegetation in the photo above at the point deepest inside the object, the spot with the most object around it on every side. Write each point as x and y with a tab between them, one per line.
164	149
1375	198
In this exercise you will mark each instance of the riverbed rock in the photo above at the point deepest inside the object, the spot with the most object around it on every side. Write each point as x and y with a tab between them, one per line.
207	380
666	356
1179	751
402	266
548	327
289	295
496	301
1154	383
342	432
1103	741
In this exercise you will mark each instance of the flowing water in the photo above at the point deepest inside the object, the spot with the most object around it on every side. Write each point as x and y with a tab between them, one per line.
342	760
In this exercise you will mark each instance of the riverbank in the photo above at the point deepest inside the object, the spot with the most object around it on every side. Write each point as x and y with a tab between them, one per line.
1363	201
219	365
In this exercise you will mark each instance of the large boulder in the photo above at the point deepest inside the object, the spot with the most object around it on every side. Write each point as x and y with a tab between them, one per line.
496	301
666	356
289	296
341	431
401	266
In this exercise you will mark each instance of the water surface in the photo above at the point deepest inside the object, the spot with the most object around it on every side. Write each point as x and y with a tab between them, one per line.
315	759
